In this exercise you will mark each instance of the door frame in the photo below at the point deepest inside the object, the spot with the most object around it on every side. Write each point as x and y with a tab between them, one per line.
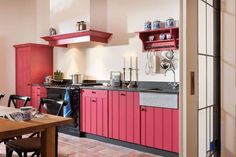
188	76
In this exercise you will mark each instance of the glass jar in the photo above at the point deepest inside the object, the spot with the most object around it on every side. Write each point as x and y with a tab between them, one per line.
82	26
77	26
148	25
156	24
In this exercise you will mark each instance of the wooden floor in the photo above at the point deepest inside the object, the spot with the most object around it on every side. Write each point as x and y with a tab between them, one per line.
70	146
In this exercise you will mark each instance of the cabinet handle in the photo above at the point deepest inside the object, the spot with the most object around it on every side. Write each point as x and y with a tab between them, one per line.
93	92
192	84
29	84
38	95
93	100
143	109
122	94
38	88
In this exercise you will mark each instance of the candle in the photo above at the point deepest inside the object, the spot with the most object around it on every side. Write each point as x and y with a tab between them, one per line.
136	63
124	62
130	61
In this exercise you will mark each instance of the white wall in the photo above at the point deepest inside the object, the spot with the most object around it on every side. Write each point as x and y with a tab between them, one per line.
228	76
97	60
18	25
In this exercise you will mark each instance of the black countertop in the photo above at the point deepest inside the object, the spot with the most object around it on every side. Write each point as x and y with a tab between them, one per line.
154	87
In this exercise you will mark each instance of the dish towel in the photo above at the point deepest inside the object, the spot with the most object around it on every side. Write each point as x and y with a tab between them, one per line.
67	109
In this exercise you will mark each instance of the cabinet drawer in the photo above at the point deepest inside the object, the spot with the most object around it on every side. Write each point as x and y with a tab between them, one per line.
39	89
95	93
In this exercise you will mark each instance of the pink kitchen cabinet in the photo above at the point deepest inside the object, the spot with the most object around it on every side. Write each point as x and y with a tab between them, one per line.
160	128
94	112
33	63
124	116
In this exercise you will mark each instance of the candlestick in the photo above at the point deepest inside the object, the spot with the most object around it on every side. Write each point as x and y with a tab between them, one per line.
124	62
130	61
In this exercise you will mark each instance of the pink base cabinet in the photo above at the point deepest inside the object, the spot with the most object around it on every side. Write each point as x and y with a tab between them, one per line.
118	115
160	128
124	116
94	112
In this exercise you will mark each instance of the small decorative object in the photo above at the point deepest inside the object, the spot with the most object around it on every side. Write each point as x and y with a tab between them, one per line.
162	36
168	36
115	78
80	26
58	75
151	37
52	31
156	24
148	25
169	23
26	113
77	26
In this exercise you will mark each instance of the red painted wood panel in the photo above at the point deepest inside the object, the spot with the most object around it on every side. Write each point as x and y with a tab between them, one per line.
122	116
136	111
167	129
93	114
105	116
158	127
110	115
88	114
116	113
175	132
130	116
83	112
100	119
143	125
150	126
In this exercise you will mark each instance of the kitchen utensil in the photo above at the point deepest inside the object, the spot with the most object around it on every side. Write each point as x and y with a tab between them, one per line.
149	63
75	78
165	64
169	55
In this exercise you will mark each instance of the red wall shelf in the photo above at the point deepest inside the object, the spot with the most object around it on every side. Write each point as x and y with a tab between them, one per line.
63	40
157	44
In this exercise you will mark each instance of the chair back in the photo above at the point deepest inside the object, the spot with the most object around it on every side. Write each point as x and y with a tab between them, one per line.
14	98
1	95
52	106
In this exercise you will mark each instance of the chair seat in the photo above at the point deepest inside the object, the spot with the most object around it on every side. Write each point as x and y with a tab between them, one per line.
25	144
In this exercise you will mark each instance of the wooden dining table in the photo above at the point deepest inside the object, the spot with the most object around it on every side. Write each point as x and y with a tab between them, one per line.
45	124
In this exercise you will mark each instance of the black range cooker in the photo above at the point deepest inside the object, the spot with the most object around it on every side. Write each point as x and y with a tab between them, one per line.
57	91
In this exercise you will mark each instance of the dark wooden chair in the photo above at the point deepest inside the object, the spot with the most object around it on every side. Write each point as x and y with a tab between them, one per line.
33	144
14	98
1	95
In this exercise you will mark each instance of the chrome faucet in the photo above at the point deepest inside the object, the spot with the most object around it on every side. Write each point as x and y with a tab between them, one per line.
174	84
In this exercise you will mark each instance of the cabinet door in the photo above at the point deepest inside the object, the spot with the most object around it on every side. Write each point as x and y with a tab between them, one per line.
23	80
160	128
94	112
124	116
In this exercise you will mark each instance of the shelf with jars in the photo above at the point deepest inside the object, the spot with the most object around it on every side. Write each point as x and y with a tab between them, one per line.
63	40
161	39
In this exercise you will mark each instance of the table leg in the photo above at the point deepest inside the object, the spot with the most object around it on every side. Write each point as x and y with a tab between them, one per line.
48	142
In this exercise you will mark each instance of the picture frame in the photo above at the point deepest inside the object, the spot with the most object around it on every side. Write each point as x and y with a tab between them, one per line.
115	78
